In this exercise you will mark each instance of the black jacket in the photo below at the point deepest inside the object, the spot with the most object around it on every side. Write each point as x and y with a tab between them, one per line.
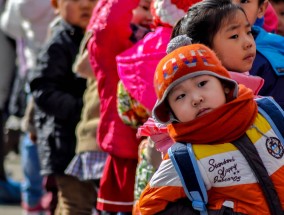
58	93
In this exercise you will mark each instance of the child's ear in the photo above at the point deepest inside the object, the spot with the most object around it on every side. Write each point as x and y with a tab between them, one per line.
54	4
227	90
226	87
262	8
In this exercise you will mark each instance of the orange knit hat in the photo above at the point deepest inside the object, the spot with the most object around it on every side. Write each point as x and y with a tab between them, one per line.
181	64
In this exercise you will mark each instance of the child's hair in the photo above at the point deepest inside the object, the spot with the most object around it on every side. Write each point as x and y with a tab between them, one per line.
204	19
181	64
260	2
53	3
275	1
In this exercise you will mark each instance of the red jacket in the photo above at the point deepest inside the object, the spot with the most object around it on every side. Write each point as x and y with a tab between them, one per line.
110	24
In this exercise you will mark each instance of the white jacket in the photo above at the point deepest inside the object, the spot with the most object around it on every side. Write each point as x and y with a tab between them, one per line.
7	62
27	20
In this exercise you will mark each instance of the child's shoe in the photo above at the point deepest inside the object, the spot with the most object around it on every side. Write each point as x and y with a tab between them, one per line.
35	210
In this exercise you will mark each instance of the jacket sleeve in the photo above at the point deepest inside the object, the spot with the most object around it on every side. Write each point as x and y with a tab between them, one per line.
110	24
164	188
11	20
51	83
111	19
7	62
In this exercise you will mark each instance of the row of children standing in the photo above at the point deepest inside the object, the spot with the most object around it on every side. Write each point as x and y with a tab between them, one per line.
129	64
177	105
65	31
27	23
58	94
259	8
136	66
104	46
49	117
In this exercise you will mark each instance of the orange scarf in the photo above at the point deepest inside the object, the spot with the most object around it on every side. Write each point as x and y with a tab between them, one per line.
225	124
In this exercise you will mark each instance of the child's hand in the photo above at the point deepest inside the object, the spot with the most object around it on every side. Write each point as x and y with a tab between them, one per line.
33	137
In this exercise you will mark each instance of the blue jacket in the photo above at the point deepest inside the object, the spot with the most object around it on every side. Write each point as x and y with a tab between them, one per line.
269	63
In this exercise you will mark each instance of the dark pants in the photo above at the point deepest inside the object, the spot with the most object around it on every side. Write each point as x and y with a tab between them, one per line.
2	170
75	196
50	186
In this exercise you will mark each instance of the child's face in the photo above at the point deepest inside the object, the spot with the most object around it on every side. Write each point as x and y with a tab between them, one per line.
196	96
279	9
142	14
76	12
234	44
252	9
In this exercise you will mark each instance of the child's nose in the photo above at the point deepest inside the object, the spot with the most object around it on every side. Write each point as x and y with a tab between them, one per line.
197	99
248	44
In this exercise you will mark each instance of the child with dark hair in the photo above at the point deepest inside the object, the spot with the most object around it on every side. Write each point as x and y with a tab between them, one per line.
58	95
177	91
223	26
205	22
204	107
269	60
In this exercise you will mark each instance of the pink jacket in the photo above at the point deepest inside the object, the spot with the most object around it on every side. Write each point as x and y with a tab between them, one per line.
255	83
110	25
137	65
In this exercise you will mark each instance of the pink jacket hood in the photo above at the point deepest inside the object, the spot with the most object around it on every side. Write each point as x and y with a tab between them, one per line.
137	65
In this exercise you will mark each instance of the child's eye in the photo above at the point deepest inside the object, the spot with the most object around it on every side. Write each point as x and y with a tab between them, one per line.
180	96
234	36
202	83
244	1
249	32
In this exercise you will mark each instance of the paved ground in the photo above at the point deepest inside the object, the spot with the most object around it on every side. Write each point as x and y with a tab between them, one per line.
12	165
10	210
